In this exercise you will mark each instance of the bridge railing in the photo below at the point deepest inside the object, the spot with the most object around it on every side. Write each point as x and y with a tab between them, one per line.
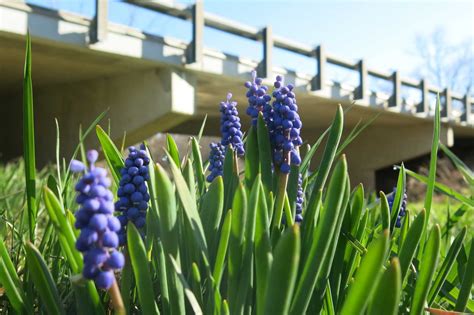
201	19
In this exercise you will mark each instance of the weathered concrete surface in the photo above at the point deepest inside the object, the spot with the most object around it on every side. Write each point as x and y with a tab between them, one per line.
148	88
138	104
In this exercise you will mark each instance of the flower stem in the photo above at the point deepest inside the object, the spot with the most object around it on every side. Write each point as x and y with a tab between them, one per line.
280	199
116	299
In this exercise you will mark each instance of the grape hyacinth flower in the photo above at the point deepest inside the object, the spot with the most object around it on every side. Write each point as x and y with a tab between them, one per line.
133	191
98	240
285	136
230	126
259	100
403	208
299	200
216	161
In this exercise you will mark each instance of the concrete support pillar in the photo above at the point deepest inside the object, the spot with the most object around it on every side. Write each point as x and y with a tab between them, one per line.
382	146
139	104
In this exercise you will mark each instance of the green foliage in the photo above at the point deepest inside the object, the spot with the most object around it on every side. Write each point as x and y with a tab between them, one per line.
29	141
222	248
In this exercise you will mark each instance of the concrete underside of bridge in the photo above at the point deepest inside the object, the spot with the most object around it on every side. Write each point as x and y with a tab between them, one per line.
145	95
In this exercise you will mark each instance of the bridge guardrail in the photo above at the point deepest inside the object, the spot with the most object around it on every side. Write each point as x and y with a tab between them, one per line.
463	113
200	19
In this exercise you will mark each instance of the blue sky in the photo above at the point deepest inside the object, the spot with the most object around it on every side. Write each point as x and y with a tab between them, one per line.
382	32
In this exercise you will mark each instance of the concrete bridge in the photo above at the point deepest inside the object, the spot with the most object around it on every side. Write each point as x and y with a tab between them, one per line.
156	84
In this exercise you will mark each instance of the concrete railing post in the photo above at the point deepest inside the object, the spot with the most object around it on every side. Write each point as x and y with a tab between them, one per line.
99	25
361	89
317	83
396	97
424	105
194	51
265	67
467	115
446	109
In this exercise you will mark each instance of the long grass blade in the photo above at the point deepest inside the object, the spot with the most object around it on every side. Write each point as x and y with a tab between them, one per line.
446	266
11	283
43	280
169	232
409	246
427	270
112	154
312	266
467	282
282	278
367	277
141	270
387	294
29	142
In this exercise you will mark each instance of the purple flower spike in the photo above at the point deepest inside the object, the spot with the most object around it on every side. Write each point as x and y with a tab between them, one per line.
285	127
216	161
230	126
259	100
98	239
133	191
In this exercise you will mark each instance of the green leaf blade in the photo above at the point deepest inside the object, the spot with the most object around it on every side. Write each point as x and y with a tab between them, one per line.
43	281
282	278
141	270
427	269
367	277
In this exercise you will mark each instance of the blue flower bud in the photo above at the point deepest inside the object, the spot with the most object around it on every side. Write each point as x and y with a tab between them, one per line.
216	161
230	126
105	279
110	239
134	195
132	171
113	223
284	127
403	207
116	260
258	100
97	223
77	166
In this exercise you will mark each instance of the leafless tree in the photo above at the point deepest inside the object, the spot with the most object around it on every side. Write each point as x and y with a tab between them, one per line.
444	63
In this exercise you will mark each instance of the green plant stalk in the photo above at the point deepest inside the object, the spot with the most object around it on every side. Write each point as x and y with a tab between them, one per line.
126	279
335	245
328	155
427	269
313	264
385	211
196	308
387	295
140	266
116	299
467	282
367	277
289	214
409	246
433	161
29	142
43	280
169	233
222	249
280	200
446	266
282	278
